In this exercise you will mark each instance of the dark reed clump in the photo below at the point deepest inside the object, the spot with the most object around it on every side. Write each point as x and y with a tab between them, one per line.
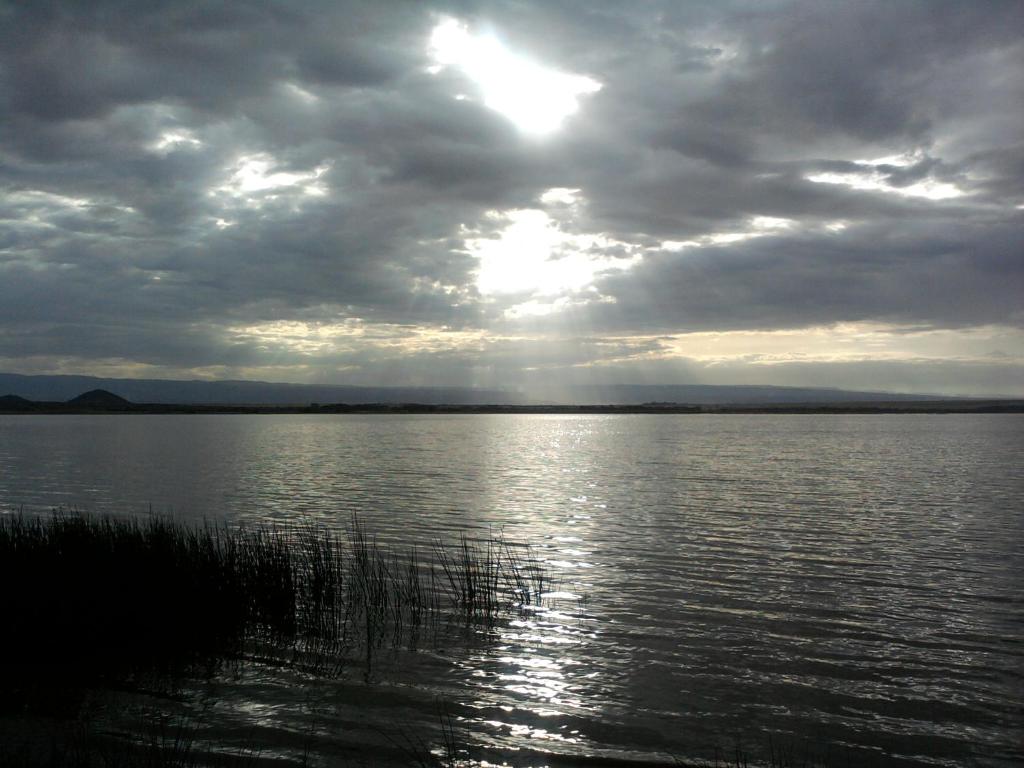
102	601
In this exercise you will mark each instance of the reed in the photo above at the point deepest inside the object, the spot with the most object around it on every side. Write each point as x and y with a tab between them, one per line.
103	601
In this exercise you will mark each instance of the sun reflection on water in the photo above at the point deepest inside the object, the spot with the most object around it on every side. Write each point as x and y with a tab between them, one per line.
534	685
711	576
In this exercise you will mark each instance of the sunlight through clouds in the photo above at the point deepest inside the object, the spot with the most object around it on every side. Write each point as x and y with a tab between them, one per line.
875	182
533	256
758	226
536	98
170	141
847	342
600	181
254	174
874	178
254	181
352	334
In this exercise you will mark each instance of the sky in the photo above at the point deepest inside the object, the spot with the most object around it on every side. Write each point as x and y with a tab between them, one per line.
516	193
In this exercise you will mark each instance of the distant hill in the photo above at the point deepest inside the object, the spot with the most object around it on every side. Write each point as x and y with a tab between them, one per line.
63	388
100	400
15	404
163	391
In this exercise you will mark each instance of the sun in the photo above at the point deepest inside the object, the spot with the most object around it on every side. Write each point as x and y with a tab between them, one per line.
535	98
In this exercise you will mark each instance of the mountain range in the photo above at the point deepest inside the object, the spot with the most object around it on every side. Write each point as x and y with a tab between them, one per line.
63	388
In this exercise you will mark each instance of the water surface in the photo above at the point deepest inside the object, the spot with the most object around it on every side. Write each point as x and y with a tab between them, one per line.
844	583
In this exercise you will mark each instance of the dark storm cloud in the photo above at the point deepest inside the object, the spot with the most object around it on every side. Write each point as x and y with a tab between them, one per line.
128	231
942	274
75	60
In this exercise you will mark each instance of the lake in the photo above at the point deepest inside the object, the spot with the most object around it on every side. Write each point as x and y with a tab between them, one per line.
849	585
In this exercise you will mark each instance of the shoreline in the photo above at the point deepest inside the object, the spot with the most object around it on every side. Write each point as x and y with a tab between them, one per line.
903	407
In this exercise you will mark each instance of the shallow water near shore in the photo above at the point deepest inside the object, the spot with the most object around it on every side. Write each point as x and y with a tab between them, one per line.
840	584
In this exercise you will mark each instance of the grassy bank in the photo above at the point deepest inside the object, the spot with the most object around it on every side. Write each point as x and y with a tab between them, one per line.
111	602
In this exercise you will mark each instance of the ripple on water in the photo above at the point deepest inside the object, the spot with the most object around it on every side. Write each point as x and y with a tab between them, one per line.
846	581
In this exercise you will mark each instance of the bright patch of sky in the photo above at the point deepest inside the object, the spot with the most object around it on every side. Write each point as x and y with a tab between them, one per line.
873	178
254	174
536	98
758	226
171	141
849	342
349	335
534	256
560	195
254	180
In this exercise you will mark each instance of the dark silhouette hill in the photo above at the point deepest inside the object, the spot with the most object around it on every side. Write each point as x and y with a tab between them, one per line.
155	391
100	400
15	404
224	392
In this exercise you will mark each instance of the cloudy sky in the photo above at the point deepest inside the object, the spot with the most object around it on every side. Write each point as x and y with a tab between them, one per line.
513	193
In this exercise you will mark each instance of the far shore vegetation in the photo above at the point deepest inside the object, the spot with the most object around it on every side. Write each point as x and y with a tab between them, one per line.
99	401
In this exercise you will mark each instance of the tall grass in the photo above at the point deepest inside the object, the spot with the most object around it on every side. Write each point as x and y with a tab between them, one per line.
109	601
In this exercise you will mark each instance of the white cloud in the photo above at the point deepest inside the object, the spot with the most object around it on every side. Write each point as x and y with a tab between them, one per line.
173	140
253	179
873	178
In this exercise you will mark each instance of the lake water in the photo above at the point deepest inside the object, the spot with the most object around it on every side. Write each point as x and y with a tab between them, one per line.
850	584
